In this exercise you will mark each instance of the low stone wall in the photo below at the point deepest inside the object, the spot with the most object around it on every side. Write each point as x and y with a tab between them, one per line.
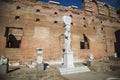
103	66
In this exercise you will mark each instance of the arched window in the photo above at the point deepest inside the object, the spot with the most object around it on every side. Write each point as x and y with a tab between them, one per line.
85	43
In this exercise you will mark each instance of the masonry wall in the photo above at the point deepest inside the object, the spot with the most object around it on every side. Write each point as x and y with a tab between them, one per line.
40	25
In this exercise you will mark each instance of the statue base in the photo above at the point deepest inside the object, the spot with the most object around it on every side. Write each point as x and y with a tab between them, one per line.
68	60
69	66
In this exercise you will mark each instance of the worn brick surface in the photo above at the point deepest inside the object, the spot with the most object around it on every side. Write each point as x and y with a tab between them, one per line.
46	34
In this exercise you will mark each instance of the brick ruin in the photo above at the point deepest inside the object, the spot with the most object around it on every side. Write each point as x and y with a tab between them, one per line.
36	24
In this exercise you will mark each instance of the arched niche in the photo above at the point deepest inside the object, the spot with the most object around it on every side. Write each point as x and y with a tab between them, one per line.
94	7
106	10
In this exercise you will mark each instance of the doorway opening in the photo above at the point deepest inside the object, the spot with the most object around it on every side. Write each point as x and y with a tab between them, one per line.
117	43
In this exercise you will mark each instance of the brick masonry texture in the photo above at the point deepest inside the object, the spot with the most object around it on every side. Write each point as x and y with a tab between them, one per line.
42	27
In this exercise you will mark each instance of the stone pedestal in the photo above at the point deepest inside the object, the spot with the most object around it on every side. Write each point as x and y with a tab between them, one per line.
40	67
39	59
3	69
68	60
39	55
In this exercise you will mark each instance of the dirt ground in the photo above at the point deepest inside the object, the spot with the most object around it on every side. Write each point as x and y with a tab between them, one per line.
99	71
24	73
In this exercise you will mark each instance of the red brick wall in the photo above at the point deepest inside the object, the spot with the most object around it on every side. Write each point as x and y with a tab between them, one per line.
48	35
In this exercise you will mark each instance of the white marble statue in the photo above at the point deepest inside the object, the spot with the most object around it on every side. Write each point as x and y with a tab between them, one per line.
67	21
90	57
3	60
115	55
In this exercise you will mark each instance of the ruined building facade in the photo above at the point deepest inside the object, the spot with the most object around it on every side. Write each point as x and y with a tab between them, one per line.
27	25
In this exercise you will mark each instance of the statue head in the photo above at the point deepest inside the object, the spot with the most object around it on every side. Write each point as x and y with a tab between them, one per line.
67	20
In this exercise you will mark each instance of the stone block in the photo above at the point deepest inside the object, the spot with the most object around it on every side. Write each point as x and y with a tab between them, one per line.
40	67
90	63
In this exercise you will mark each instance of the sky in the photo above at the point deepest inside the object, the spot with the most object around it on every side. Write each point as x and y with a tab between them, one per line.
114	3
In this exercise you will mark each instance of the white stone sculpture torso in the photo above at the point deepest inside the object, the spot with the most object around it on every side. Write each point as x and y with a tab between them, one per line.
3	60
67	21
90	57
